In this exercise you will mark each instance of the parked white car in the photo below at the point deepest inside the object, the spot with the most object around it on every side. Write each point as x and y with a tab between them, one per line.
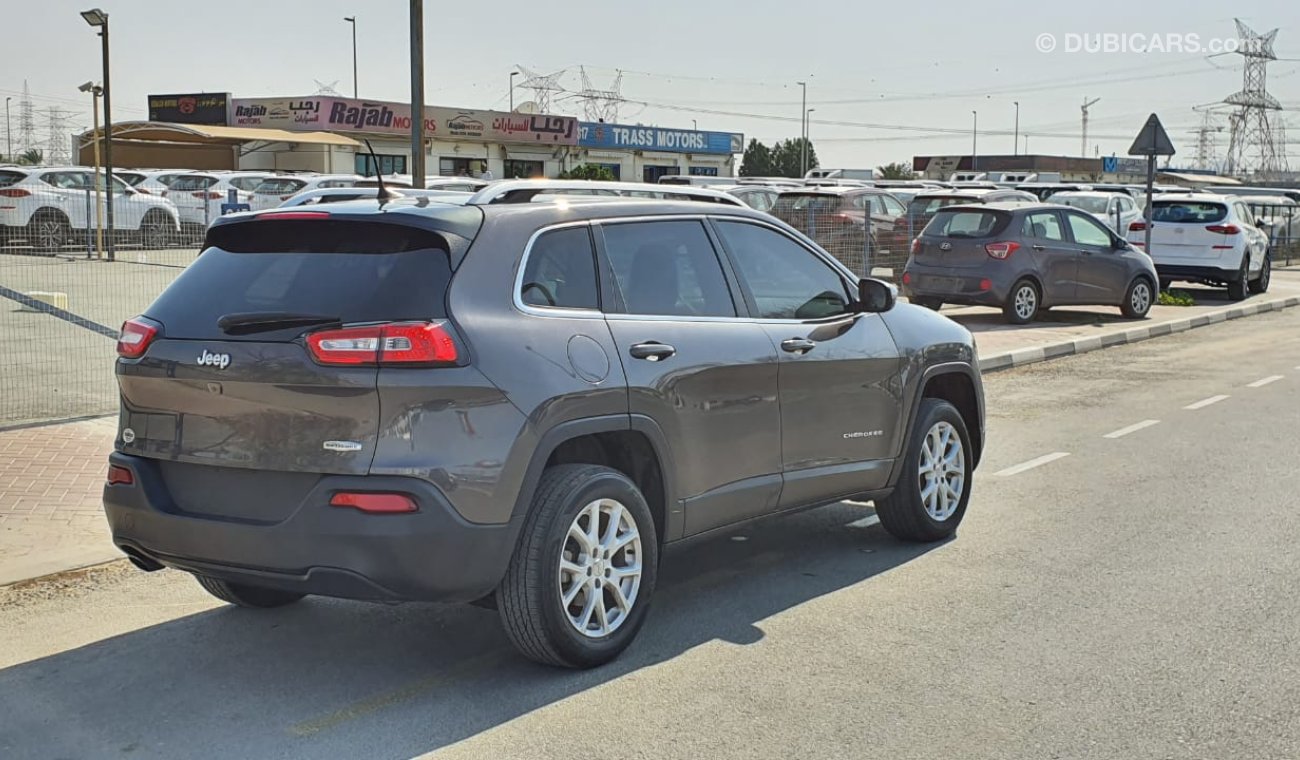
398	181
48	206
340	194
273	191
1113	209
199	197
1205	238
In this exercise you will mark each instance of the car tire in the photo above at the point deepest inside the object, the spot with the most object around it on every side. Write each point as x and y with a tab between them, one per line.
933	304
1023	301
1239	288
1260	284
244	595
154	228
1138	299
911	512
551	562
48	231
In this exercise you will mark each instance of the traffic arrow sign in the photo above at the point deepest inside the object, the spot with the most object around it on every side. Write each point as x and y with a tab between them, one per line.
1152	140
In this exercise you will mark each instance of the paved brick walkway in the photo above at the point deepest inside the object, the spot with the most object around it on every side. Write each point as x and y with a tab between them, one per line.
50	483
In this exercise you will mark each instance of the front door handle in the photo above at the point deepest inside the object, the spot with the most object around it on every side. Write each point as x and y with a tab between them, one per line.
1085	251
651	351
798	345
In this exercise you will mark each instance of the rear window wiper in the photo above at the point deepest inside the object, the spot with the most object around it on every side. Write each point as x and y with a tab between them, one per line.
248	323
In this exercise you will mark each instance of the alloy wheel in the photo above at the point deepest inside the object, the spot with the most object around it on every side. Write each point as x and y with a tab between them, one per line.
49	232
941	472
600	568
1141	300
1026	302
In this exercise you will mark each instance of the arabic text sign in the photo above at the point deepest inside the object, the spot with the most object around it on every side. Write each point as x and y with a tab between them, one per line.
597	135
346	114
195	108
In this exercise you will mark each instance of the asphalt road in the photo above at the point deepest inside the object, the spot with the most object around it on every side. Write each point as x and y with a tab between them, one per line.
1134	598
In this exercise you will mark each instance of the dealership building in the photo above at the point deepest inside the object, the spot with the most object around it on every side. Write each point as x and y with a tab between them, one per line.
325	134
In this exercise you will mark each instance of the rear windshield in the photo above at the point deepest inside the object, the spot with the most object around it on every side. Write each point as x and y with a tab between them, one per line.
280	186
11	178
192	182
1189	212
1090	203
802	201
966	223
129	178
929	204
245	183
354	271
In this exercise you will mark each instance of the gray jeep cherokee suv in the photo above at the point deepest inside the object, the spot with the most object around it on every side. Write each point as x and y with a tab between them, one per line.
520	403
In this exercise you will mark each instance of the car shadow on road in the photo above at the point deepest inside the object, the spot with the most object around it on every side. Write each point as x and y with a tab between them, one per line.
336	679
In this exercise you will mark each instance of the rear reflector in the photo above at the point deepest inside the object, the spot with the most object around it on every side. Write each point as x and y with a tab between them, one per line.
120	476
986	284
907	278
402	343
136	335
375	503
1001	251
1226	229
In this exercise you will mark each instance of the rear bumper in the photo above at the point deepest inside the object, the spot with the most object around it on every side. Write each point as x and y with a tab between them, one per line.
428	555
1196	273
954	286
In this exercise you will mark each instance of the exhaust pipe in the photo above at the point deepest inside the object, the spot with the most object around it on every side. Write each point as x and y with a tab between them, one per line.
142	562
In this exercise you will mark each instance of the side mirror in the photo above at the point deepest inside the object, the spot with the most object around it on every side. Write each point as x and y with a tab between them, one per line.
875	296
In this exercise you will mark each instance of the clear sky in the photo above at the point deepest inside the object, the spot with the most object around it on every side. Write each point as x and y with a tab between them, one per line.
900	78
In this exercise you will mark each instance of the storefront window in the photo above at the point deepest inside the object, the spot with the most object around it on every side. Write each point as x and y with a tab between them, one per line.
615	169
461	167
653	173
365	165
524	169
704	171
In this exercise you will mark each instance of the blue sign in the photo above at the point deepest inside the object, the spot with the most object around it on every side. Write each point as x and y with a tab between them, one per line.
625	137
1109	164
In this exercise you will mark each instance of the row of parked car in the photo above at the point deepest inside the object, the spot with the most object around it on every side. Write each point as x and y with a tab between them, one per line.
48	208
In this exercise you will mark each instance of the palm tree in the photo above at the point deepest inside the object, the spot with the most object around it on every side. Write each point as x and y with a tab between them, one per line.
31	157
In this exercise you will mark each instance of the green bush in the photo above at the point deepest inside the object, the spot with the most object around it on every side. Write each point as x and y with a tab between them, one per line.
1175	298
589	171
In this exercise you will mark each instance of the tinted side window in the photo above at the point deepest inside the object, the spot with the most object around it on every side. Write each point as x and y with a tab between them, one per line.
787	280
1043	226
561	271
1088	232
667	268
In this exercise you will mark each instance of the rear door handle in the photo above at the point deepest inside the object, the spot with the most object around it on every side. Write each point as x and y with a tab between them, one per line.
1038	247
798	345
651	351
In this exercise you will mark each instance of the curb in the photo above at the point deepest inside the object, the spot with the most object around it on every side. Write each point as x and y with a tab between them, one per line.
1021	357
35	582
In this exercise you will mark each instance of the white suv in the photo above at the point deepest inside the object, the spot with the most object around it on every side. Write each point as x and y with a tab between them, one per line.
273	191
45	206
199	196
1211	239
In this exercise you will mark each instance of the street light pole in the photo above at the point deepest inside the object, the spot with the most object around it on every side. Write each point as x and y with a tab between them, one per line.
98	18
807	134
803	131
513	74
1016	150
96	92
974	138
417	94
353	21
9	134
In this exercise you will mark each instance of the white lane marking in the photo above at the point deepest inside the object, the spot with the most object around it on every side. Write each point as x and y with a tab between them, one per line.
1031	464
1260	383
865	522
1205	402
1131	429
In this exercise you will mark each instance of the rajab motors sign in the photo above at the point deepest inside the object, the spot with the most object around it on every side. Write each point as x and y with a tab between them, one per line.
381	117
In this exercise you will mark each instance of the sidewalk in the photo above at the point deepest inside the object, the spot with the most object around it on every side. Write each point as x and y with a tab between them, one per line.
50	482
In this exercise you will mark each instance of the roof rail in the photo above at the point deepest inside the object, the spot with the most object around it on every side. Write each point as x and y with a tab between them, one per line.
525	190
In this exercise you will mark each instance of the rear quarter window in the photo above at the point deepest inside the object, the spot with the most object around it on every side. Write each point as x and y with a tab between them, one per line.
11	178
1188	212
966	223
280	186
192	182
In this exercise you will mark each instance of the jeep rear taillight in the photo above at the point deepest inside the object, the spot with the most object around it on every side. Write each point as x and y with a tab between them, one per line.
136	335
1001	251
396	343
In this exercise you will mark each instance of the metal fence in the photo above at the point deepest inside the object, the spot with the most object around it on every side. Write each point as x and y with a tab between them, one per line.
64	295
868	244
1282	223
